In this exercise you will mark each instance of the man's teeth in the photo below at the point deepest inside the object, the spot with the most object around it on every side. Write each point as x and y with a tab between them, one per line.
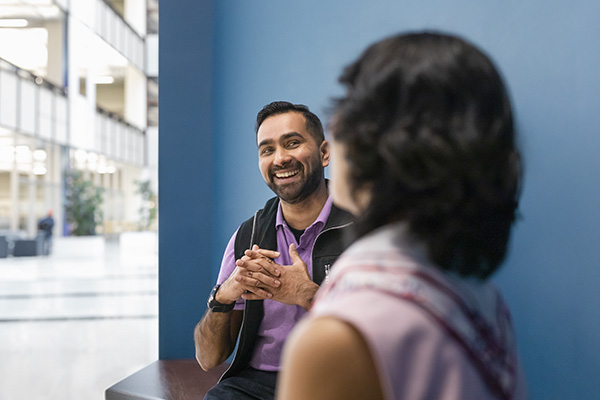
282	175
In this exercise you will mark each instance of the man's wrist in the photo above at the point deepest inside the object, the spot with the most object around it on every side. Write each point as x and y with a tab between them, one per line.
307	294
219	297
215	305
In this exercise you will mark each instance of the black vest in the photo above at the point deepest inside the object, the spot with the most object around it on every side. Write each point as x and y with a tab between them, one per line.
260	230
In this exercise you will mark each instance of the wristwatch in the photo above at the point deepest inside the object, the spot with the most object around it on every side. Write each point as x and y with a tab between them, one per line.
215	306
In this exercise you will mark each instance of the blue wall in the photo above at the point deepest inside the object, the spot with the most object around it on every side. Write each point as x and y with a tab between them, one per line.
266	50
186	170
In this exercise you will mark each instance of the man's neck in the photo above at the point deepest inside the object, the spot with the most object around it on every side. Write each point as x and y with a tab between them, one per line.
301	215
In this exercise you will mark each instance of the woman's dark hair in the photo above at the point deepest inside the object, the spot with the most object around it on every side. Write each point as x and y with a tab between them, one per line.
428	129
313	123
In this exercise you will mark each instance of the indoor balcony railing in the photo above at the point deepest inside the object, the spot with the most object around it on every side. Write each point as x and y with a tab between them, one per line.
111	26
31	106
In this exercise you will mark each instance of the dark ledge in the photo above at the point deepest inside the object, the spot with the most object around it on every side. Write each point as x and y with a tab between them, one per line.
167	380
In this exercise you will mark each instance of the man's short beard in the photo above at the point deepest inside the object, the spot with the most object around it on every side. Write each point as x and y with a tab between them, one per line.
309	187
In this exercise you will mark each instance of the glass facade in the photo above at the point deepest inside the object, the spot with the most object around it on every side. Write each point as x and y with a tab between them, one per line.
79	97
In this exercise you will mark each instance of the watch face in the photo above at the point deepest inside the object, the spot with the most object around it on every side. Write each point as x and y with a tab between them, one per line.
211	299
213	292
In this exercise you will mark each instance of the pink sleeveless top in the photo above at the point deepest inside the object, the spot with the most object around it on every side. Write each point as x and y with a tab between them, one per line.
432	335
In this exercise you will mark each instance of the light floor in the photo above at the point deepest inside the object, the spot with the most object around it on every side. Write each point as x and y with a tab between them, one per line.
71	327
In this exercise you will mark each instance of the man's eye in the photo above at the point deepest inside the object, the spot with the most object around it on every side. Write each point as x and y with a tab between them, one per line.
293	143
265	151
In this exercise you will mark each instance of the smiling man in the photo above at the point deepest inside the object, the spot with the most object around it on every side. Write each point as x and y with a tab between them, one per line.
275	261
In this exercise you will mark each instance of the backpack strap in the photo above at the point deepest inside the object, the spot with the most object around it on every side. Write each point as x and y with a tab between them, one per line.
260	230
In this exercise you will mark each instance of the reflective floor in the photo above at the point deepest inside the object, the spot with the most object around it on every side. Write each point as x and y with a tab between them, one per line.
71	326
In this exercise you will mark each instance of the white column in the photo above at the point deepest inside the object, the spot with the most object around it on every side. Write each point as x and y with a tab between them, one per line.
90	94
55	164
135	97
152	154
72	78
14	198
48	182
32	217
56	51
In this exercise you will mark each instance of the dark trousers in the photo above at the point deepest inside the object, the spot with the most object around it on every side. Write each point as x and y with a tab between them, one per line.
248	384
47	245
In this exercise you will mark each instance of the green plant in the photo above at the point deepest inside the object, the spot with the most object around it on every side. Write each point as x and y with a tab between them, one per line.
148	209
83	201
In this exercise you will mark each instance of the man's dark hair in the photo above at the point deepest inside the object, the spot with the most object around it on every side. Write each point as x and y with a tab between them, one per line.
313	123
428	128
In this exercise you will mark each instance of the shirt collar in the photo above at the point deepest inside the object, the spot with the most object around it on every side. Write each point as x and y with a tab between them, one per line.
321	219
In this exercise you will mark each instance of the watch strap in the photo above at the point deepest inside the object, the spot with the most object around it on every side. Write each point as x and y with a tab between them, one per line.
215	306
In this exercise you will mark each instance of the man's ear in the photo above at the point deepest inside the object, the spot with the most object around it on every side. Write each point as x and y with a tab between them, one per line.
325	151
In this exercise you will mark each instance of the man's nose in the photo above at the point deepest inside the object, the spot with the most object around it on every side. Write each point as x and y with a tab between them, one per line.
282	157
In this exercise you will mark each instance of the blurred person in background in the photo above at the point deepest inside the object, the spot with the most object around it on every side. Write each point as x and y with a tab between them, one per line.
45	227
424	154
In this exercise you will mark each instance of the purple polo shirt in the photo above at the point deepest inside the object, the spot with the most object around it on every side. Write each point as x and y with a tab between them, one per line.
279	319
